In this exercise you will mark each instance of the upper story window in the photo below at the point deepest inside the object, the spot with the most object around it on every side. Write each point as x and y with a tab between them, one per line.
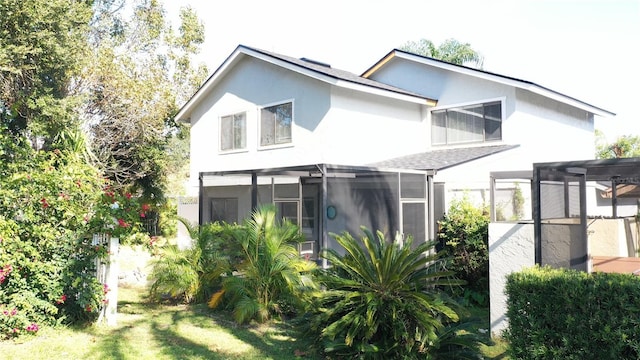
467	124
275	124
233	132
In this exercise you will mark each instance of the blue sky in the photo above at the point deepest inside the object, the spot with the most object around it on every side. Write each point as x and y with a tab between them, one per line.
587	49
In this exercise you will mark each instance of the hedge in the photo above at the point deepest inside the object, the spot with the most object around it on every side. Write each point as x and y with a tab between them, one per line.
567	314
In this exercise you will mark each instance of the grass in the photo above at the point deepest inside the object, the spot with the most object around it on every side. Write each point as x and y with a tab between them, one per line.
147	331
152	331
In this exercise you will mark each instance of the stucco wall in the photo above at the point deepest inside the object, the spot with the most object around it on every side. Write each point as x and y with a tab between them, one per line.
511	249
330	124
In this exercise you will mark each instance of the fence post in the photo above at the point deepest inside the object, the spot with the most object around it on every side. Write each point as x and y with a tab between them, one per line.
107	274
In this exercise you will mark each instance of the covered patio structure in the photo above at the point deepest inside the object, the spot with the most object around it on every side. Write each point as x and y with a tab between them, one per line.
324	199
585	214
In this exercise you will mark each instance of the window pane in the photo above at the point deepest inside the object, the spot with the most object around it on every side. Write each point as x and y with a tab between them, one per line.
275	124
240	131
493	122
475	123
226	133
267	129
233	133
438	128
283	123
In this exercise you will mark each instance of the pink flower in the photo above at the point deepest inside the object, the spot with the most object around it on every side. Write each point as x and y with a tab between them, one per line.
62	299
105	288
142	214
33	327
146	207
128	195
44	202
122	223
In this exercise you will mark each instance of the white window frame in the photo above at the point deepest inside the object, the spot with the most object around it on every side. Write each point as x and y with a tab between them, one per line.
281	145
501	100
220	132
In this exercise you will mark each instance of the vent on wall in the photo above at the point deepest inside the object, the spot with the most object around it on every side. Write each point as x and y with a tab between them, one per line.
315	62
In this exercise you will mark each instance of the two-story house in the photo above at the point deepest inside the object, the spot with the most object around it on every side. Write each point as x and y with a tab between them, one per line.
386	150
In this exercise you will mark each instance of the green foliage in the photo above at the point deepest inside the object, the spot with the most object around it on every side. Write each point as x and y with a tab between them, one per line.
566	314
518	202
625	146
139	73
464	236
382	301
45	201
272	276
42	46
451	50
195	273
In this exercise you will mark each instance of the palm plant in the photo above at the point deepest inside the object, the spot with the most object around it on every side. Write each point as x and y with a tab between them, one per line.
272	273
194	273
382	300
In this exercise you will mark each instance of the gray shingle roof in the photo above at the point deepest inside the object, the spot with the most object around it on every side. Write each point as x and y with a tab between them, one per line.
442	159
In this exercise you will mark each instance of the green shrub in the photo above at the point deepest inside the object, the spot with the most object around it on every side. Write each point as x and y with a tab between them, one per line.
382	301
272	277
50	204
464	237
566	314
195	273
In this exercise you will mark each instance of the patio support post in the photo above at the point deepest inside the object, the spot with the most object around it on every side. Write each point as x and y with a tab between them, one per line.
431	226
200	198
492	198
583	260
537	218
614	198
324	240
254	191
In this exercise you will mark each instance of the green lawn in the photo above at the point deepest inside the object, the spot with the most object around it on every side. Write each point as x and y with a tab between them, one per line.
147	331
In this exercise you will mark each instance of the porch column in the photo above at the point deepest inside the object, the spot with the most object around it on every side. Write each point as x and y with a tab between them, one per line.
254	191
323	218
431	209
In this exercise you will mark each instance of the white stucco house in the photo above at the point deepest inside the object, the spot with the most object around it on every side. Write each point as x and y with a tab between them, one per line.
386	149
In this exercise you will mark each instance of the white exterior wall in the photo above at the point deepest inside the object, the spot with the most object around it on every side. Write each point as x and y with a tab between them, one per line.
331	125
548	130
511	249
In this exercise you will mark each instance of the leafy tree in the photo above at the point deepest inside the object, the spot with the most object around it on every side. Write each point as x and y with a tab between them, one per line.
625	146
42	48
382	301
140	70
451	50
464	236
272	274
